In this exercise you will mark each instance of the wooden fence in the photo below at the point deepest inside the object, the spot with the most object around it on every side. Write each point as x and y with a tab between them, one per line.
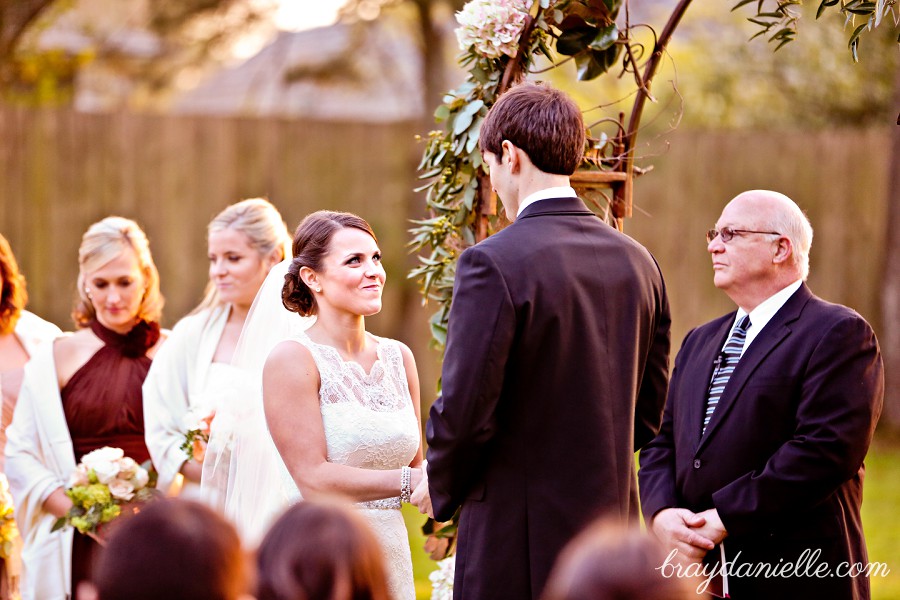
61	170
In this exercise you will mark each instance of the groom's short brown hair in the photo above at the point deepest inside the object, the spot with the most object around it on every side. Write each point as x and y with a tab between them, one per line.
540	120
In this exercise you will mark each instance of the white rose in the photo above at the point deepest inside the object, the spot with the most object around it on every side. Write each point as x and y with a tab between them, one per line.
79	476
128	467
103	462
140	479
121	490
104	454
105	471
192	419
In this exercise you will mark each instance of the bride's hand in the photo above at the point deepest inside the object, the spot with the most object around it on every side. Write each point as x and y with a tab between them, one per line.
420	496
416	475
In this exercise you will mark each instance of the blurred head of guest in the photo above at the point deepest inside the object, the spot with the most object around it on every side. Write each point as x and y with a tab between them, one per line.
173	549
611	562
118	284
244	242
13	296
320	550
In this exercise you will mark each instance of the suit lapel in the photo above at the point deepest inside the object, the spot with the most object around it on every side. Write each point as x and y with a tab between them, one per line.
775	331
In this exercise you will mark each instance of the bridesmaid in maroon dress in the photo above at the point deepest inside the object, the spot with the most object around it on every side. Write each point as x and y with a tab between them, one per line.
99	370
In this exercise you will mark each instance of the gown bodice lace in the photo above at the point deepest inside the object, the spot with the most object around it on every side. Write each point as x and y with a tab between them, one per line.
370	423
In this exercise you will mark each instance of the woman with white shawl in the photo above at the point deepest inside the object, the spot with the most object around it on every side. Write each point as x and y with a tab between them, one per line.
21	333
192	376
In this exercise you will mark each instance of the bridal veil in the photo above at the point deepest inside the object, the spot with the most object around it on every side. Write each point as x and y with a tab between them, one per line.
243	473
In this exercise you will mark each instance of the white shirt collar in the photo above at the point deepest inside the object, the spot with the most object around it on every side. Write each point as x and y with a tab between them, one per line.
565	191
763	313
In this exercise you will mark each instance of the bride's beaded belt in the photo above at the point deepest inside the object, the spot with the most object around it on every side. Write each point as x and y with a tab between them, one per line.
383	504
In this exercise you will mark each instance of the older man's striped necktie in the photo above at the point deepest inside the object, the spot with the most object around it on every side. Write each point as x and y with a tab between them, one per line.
726	361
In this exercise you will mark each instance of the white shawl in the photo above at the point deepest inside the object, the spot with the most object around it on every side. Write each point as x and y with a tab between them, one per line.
175	384
39	459
33	331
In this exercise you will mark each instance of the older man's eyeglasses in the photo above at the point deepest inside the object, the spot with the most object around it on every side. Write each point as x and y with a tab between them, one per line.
728	233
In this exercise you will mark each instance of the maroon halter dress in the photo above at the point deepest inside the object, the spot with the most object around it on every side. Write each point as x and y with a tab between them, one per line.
103	406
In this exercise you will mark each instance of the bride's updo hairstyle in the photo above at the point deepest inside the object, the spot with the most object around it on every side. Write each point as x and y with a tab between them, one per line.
311	244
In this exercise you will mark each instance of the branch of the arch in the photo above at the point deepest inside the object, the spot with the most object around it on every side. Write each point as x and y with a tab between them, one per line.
622	200
514	72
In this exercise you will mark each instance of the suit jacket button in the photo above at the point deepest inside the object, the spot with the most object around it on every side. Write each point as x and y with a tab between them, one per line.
696	463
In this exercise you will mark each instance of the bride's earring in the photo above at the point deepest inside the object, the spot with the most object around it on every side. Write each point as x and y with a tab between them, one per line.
87	293
319	289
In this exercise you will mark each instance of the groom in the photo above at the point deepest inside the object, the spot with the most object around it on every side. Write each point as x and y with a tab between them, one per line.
555	366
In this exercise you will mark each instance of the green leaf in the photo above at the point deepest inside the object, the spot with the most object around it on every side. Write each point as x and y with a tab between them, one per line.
481	76
442	113
592	64
740	4
438	329
465	116
854	37
783	42
612	6
781	34
575	40
468	198
473	137
606	37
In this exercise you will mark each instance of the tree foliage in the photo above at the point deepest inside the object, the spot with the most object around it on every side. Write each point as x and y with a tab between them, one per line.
147	44
778	19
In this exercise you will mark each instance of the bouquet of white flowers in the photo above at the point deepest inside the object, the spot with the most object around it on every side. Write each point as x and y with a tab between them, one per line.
103	481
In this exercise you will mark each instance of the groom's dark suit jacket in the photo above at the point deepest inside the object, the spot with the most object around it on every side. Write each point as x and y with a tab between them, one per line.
554	373
782	457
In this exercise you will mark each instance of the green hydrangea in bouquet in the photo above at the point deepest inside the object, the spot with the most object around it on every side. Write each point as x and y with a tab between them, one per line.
101	484
8	530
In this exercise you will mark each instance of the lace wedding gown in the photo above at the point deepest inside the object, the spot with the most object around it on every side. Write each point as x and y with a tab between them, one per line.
370	423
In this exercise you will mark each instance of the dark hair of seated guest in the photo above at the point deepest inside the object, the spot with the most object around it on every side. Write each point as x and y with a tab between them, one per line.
321	550
173	549
608	561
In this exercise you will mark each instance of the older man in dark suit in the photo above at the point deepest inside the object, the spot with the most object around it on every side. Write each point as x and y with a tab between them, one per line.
770	413
556	362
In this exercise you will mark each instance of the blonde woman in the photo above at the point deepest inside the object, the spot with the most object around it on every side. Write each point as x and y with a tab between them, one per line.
79	394
192	375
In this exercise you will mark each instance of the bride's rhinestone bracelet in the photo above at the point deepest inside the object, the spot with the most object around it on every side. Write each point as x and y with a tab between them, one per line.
405	489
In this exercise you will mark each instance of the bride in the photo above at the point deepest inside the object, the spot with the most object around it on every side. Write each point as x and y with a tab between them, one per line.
342	405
